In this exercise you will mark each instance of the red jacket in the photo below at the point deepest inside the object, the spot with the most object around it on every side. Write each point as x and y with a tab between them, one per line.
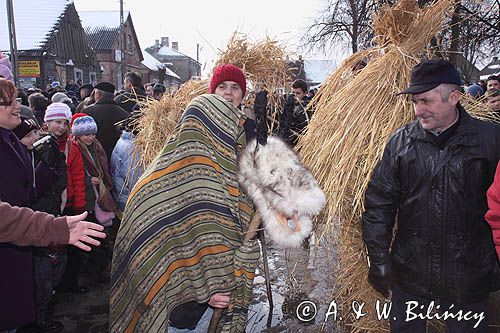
493	214
76	176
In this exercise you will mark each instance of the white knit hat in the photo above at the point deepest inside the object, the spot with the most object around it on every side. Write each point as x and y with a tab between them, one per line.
57	111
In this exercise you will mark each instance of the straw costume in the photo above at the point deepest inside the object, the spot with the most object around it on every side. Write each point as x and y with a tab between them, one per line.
181	237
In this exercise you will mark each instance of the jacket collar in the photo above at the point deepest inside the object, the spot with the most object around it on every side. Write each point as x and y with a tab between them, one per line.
465	134
106	101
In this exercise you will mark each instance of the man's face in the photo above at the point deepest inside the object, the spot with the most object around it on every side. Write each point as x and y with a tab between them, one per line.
84	93
158	96
432	113
298	93
492	84
127	85
230	91
149	91
494	103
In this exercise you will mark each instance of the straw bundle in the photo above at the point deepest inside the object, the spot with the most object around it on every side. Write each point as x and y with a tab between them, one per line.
355	115
158	119
264	64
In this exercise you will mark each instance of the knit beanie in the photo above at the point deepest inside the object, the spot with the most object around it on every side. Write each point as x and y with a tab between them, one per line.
25	127
5	67
57	111
84	125
228	72
60	97
475	90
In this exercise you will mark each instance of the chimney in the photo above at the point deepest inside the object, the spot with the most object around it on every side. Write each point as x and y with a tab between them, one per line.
175	46
164	42
157	43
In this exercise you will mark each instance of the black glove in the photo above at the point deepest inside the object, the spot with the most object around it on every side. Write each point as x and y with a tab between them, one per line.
260	110
380	277
47	152
289	104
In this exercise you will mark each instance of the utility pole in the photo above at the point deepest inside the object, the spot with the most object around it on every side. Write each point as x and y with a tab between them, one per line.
12	41
122	45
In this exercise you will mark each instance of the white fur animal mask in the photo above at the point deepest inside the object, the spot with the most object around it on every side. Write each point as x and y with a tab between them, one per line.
285	193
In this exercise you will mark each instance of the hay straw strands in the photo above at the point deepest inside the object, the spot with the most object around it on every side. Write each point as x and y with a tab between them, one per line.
158	119
355	114
265	66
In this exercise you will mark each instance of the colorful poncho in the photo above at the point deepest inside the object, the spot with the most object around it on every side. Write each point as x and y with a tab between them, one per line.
181	237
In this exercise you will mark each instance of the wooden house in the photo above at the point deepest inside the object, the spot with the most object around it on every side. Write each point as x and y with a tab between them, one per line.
52	45
103	31
181	64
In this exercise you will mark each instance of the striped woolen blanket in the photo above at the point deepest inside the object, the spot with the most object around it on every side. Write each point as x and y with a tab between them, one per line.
181	237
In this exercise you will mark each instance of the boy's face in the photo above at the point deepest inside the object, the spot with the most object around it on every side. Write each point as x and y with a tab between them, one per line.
29	139
494	103
88	139
58	127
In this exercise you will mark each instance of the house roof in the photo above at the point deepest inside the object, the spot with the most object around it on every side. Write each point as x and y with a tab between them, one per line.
318	70
102	27
154	65
34	22
169	52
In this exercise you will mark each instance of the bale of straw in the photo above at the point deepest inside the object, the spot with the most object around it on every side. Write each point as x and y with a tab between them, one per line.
158	119
355	114
264	64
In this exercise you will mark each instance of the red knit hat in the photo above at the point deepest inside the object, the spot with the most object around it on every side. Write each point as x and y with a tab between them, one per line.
228	72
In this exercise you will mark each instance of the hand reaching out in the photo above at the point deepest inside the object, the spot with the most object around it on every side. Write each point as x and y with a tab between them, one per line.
81	232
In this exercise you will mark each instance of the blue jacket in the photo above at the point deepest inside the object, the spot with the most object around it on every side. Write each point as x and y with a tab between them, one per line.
125	169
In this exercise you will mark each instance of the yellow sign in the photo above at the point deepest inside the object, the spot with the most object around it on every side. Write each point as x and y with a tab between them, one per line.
29	68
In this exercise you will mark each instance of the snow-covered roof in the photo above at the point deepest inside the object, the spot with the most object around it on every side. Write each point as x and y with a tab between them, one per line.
150	62
318	70
169	52
108	19
34	21
154	65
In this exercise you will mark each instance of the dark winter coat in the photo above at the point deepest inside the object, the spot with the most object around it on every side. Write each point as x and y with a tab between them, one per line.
443	246
106	114
129	101
49	186
16	280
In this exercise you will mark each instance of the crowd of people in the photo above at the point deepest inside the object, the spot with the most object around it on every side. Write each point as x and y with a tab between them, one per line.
175	231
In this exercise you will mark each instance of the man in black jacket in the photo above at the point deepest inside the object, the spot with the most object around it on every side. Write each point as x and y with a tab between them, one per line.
133	93
433	176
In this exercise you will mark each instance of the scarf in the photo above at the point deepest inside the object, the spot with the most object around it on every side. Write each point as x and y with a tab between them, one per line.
182	234
98	167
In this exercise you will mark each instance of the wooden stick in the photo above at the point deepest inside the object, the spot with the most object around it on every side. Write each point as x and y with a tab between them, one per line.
252	231
268	278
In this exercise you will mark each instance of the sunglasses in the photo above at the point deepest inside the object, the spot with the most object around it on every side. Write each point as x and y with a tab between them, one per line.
9	103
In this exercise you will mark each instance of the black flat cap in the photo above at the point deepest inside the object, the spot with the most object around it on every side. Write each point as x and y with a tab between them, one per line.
86	86
429	74
105	86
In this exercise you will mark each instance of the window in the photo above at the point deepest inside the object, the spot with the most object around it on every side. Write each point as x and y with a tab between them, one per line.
78	74
93	78
129	43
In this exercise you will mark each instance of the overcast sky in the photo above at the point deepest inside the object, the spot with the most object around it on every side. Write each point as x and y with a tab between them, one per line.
211	23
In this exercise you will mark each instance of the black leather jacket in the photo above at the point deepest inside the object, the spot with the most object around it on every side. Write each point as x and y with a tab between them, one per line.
443	247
